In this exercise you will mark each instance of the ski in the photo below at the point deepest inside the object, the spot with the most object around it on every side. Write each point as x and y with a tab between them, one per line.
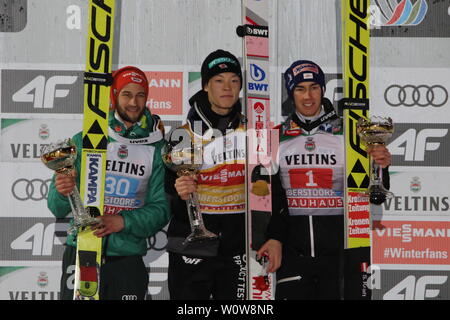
97	80
355	103
255	34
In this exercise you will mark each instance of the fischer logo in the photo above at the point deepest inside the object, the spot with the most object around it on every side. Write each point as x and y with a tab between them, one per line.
42	92
412	288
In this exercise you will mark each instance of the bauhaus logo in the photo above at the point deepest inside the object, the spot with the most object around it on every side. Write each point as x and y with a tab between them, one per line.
41	91
420	145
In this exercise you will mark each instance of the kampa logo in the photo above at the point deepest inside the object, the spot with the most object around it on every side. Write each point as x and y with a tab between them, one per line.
414	144
42	92
412	288
92	180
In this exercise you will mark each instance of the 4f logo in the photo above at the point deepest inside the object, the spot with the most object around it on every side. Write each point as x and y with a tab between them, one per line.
412	288
39	239
42	91
413	143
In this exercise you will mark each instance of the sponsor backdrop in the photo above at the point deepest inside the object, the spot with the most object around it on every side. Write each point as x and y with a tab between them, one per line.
42	55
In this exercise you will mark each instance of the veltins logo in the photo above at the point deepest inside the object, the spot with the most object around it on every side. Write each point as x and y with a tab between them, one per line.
410	18
41	91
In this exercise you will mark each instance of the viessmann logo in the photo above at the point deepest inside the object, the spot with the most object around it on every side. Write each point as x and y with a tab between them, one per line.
41	91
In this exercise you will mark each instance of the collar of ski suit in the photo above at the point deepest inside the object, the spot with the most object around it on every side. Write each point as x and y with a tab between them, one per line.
202	120
147	130
327	113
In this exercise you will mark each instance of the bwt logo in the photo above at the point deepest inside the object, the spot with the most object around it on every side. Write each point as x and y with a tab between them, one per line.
42	91
257	74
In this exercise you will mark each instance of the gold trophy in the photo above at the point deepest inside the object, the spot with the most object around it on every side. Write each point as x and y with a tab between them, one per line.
376	131
60	156
186	161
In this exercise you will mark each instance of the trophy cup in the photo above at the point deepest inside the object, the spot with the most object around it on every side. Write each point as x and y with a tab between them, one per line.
60	157
182	161
376	131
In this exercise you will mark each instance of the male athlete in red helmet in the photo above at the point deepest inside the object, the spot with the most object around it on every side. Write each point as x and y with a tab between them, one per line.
135	203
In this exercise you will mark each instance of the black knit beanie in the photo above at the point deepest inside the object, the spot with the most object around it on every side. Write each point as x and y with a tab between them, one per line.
217	62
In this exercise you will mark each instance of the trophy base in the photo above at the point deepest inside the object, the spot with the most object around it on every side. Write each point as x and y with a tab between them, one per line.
378	194
199	235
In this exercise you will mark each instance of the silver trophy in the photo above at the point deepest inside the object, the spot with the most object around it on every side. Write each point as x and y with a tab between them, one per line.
376	131
186	161
60	157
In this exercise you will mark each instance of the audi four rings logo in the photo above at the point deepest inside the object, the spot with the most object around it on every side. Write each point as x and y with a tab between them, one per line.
154	242
35	189
410	95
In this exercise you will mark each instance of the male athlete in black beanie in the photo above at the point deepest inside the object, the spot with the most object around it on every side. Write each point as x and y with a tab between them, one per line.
211	269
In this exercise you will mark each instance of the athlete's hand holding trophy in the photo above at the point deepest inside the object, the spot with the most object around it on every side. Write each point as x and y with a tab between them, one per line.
186	161
376	131
60	157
